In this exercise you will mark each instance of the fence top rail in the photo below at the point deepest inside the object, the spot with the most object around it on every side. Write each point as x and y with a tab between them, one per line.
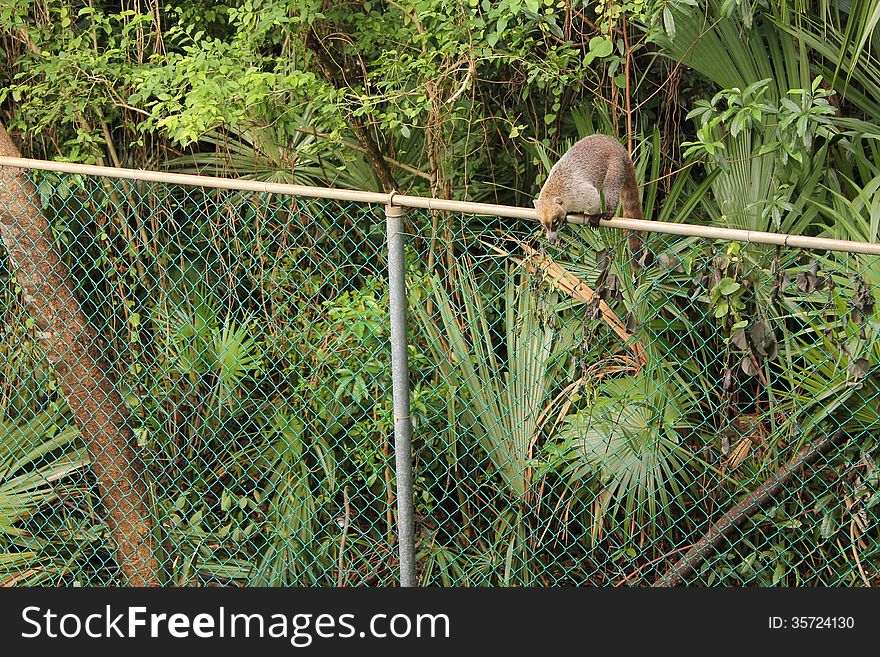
485	209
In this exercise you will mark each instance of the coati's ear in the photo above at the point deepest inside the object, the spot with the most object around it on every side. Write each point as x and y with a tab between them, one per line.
558	200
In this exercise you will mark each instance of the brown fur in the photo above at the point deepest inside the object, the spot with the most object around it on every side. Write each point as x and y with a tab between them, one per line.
595	167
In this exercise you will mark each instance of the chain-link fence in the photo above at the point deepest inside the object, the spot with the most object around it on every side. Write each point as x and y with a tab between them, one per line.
708	418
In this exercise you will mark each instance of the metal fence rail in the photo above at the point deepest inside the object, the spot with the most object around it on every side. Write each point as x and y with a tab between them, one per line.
710	419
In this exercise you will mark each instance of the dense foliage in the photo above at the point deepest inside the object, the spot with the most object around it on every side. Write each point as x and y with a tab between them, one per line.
252	329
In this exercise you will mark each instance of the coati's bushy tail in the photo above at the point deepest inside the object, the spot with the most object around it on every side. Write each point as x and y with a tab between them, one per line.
632	209
629	197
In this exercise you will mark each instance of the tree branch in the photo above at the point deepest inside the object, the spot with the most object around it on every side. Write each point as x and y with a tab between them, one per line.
330	71
744	509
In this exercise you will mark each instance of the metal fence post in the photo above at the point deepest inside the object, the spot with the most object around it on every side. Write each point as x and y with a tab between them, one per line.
400	390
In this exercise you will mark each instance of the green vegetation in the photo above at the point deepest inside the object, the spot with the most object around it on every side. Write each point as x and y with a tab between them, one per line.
552	446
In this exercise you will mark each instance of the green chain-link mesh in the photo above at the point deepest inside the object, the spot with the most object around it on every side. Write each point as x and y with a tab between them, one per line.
708	419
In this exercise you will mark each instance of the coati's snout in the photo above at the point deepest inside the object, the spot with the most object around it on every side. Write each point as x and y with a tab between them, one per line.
551	214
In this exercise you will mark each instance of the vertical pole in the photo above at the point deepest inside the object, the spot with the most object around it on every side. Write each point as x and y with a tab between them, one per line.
400	391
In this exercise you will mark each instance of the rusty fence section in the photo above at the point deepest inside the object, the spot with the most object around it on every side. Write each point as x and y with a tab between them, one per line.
709	419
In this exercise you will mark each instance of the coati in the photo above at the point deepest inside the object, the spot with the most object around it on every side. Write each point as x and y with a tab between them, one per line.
596	169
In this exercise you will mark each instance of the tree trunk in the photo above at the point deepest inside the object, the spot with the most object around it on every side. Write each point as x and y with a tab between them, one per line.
87	382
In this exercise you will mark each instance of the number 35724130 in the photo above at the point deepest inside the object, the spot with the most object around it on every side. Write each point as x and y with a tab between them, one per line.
811	623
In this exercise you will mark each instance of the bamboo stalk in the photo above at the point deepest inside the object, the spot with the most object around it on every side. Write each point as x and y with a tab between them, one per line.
485	209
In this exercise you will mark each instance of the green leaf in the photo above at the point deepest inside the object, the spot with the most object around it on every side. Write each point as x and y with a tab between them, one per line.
600	46
728	286
668	23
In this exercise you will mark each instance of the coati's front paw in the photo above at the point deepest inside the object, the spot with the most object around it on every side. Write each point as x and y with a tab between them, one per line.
594	219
